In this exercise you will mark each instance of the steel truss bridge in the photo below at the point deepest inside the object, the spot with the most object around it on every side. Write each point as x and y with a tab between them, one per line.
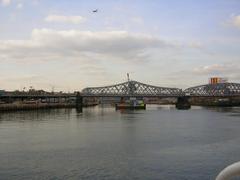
137	89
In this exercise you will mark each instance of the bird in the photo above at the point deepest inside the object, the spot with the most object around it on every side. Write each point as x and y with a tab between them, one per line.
94	11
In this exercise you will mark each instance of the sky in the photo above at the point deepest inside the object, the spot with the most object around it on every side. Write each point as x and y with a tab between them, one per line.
62	45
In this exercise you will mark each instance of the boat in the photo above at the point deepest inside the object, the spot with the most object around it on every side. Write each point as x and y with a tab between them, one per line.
132	103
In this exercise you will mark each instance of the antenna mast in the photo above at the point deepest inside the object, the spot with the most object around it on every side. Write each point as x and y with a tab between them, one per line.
128	77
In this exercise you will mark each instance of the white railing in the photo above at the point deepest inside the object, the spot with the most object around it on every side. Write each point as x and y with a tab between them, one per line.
229	172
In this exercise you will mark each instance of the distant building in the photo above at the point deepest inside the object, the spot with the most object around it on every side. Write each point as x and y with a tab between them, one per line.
216	80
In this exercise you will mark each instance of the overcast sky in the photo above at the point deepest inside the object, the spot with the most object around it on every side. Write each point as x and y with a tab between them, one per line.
62	44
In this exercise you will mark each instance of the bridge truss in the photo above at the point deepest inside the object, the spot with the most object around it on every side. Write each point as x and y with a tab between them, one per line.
220	89
132	88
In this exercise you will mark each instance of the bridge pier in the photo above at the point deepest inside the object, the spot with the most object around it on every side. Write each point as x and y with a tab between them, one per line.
79	102
183	103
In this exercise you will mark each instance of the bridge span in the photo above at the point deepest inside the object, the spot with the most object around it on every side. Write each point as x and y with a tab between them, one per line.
137	89
131	88
226	94
220	94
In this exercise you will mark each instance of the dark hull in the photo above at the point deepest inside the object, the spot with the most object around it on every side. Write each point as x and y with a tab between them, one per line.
120	106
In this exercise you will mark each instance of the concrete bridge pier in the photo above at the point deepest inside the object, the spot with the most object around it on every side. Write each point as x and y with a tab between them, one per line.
79	102
183	103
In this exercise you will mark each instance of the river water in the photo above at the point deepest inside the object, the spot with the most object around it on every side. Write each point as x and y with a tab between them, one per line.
101	143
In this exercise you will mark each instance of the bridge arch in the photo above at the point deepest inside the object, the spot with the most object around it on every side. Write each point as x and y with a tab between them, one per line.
219	89
132	88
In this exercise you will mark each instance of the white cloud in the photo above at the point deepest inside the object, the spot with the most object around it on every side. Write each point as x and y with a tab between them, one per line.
65	19
109	44
195	44
5	2
80	55
210	69
235	21
229	70
200	75
74	54
19	6
137	20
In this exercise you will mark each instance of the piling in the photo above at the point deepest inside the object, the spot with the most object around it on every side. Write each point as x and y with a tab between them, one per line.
183	103
79	102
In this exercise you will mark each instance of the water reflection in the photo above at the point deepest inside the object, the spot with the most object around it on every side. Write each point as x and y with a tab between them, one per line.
79	109
35	115
231	111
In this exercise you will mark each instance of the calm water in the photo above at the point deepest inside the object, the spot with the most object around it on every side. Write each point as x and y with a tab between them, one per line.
101	143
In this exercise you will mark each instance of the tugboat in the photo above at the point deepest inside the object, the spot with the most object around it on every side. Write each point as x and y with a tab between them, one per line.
132	102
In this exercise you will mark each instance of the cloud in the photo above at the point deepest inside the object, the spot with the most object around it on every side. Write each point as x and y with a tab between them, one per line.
137	20
65	19
235	21
92	57
5	2
229	70
210	69
200	75
26	78
50	44
195	44
19	6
